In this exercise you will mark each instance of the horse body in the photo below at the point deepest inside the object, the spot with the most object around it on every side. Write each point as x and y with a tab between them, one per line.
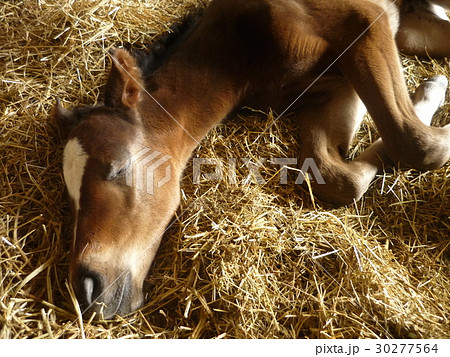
261	53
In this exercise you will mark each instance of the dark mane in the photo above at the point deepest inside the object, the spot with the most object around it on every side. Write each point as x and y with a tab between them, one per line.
152	55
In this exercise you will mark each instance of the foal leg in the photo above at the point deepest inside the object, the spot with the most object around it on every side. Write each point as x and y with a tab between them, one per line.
327	132
429	96
372	66
424	29
443	3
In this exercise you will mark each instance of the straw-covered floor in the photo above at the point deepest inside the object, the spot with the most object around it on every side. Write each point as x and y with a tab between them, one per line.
242	261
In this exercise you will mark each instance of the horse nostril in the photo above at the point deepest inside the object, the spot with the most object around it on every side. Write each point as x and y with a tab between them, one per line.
90	287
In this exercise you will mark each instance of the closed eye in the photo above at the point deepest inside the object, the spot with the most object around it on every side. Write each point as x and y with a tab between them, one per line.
117	171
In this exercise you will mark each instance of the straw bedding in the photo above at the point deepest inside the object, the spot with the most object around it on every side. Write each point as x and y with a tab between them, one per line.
241	261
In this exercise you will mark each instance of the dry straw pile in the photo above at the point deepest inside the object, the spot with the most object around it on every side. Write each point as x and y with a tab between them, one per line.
242	261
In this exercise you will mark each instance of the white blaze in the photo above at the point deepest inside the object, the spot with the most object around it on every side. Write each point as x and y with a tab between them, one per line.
74	163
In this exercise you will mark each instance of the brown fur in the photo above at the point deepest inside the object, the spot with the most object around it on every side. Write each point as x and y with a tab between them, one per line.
259	53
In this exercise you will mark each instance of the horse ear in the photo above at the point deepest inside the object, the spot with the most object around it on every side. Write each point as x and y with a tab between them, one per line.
125	85
64	118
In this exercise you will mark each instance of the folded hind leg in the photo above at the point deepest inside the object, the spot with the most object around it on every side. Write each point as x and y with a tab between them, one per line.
424	29
327	132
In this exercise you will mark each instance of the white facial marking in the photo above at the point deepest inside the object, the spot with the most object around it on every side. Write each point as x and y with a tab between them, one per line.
74	163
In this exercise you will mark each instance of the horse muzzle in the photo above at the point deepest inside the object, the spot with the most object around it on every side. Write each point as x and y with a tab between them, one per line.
106	295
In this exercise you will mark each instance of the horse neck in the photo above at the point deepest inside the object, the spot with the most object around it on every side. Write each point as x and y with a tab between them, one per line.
189	98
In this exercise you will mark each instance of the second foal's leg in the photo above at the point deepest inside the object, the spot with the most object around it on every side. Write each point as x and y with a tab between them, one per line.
327	132
425	29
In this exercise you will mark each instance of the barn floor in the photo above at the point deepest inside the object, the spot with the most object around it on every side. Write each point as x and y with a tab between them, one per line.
241	261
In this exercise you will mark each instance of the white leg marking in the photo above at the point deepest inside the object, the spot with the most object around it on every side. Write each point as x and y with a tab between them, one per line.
439	11
429	96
